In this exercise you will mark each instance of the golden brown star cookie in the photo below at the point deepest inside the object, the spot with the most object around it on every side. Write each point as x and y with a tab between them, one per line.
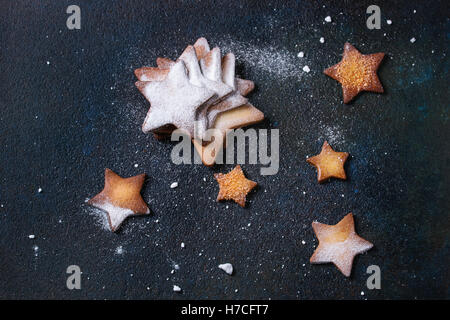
120	198
338	244
356	72
234	186
232	119
329	163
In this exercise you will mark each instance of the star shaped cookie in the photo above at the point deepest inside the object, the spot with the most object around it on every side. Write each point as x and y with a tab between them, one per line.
120	198
338	244
356	72
174	101
234	186
329	163
235	118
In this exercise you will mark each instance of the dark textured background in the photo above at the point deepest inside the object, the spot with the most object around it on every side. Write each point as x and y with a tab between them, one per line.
63	122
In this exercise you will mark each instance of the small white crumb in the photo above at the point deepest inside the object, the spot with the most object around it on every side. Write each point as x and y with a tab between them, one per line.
48	62
301	54
414	11
389	21
174	185
176	288
322	39
412	40
303	242
204	179
40	190
182	245
119	250
362	293
136	165
177	267
328	19
306	69
236	290
227	267
31	236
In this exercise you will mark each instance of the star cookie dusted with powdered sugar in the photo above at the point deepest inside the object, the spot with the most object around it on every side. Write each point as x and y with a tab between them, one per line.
120	198
174	100
234	186
356	72
338	244
329	163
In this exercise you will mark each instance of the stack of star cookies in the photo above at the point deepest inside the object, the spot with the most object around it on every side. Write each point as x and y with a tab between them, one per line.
197	92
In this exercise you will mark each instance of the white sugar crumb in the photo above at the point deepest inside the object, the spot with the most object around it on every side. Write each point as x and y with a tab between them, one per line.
31	236
303	242
322	39
389	21
35	249
362	293
182	245
136	165
301	54
176	288
40	190
119	250
328	19
174	185
48	62
306	69
266	58
227	267
412	40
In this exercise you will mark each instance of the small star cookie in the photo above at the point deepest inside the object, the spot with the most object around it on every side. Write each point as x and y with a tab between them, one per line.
356	72
329	163
120	198
338	244
234	186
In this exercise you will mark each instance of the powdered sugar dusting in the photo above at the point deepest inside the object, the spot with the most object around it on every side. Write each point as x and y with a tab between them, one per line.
332	134
277	61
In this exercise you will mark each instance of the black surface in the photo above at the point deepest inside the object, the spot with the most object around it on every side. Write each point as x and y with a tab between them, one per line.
62	123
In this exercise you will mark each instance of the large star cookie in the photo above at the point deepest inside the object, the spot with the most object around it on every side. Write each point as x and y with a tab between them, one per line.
120	198
174	101
206	68
329	163
338	244
234	186
356	72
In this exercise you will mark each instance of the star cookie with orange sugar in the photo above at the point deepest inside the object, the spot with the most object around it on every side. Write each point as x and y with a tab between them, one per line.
329	163
120	198
234	186
357	72
338	244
